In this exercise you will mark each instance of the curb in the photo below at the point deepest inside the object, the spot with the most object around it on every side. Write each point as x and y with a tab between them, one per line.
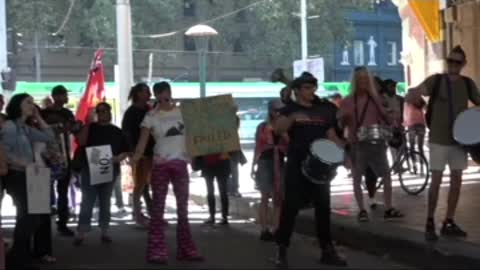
377	237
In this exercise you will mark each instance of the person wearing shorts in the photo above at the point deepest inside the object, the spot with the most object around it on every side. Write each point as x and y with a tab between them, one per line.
269	158
449	95
364	108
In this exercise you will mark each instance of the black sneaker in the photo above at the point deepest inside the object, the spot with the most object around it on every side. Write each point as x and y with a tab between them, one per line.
362	216
210	221
65	231
266	236
224	222
331	257
430	234
392	213
450	228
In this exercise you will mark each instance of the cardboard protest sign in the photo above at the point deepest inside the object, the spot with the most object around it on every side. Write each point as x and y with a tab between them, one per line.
38	189
210	125
100	164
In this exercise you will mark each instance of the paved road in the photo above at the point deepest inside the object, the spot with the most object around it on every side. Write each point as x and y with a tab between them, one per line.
233	247
414	207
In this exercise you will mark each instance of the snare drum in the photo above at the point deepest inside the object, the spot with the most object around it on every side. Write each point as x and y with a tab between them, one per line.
374	133
320	166
467	133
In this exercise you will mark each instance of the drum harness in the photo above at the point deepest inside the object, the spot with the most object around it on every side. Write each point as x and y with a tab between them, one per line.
359	121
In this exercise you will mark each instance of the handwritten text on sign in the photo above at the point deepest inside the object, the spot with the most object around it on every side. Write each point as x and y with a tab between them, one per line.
210	125
100	164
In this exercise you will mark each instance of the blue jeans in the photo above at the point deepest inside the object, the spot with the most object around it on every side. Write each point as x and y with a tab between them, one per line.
89	196
118	193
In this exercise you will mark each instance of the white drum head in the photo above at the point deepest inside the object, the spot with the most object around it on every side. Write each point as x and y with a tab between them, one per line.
466	130
327	151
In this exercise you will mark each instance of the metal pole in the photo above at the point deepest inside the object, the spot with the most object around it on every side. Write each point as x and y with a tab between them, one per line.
150	67
303	15
38	66
124	52
203	66
3	36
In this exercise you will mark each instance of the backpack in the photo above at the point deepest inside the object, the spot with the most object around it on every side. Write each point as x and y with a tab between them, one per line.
436	90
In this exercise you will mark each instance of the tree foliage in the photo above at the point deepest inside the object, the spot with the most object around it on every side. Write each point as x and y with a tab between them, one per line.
271	30
268	32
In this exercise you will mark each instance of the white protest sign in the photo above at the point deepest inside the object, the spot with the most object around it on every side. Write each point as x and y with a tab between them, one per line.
38	189
313	65
100	164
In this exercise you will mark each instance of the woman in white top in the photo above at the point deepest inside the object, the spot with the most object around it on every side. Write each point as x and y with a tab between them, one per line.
165	124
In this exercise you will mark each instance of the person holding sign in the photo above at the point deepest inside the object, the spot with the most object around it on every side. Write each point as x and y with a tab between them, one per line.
166	125
18	138
104	146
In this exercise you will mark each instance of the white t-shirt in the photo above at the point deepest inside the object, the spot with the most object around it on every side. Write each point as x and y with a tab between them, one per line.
168	130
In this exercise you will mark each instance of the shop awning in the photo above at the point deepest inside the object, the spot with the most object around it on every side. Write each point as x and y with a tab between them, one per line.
428	14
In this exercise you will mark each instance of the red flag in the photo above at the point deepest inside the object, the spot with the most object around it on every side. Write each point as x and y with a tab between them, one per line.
95	89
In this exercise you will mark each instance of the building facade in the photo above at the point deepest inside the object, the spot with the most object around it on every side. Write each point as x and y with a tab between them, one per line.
376	43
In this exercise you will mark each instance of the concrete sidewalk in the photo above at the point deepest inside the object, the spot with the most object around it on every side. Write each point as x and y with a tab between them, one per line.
402	240
224	247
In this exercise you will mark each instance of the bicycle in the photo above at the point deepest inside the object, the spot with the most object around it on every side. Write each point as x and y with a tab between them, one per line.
416	165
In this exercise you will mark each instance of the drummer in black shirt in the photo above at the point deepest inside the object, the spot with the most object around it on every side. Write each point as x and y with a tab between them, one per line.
306	119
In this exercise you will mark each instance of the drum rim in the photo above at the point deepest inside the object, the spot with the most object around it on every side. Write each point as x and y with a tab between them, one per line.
311	178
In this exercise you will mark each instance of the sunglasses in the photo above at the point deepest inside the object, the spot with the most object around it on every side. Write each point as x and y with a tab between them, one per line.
454	61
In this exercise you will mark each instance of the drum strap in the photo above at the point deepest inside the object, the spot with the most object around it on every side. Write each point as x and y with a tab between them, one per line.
450	104
359	121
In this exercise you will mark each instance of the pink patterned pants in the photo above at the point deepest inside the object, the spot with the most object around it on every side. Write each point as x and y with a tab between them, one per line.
162	174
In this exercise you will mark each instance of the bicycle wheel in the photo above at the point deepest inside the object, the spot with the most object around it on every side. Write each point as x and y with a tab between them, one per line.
415	178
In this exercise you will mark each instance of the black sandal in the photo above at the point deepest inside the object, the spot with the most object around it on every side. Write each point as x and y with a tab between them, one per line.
393	213
363	216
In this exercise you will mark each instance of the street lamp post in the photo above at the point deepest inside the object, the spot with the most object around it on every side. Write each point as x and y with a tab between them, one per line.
124	52
3	35
304	30
202	33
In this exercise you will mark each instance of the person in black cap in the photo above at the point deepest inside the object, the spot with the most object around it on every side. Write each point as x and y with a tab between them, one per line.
64	120
306	119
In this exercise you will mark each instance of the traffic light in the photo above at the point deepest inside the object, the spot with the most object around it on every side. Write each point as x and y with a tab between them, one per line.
15	44
18	42
9	81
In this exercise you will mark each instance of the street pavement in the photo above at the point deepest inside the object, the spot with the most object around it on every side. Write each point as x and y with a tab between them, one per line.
401	239
234	247
414	207
238	246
